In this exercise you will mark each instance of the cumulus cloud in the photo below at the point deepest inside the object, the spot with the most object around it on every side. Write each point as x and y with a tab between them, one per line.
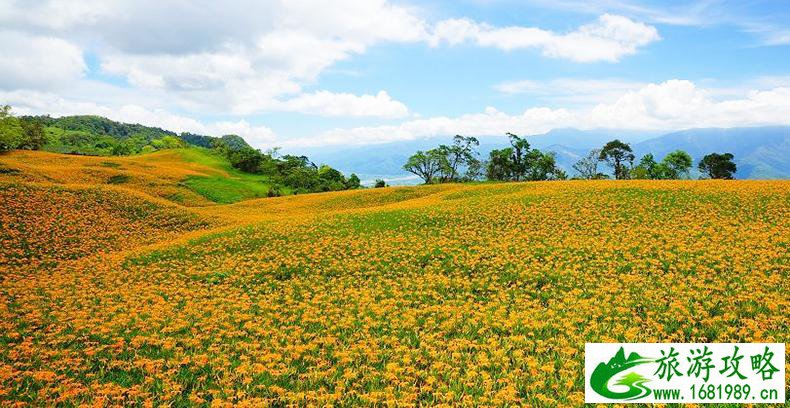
247	57
179	72
238	57
30	61
678	104
607	39
670	105
344	104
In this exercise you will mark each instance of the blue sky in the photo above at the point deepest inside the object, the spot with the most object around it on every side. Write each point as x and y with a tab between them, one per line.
308	73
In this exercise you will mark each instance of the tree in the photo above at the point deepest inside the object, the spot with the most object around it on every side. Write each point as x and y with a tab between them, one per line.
380	183
647	168
519	161
559	174
235	142
289	162
474	170
510	163
718	166
273	151
542	166
677	164
587	167
34	138
245	159
460	154
167	142
331	179
499	164
134	144
353	182
617	154
302	179
12	135
426	165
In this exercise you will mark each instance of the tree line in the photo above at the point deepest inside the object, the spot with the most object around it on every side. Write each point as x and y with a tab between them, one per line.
84	135
16	133
619	156
296	172
460	162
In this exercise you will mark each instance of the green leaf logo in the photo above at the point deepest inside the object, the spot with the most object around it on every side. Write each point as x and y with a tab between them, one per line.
599	381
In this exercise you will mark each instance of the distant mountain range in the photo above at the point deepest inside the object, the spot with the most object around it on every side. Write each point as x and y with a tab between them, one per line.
760	152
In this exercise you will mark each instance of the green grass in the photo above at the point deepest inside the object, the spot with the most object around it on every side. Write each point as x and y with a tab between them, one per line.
226	190
118	179
112	165
236	187
209	158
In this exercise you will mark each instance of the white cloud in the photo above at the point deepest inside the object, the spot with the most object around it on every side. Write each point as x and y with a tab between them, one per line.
256	136
689	13
38	62
361	21
344	104
769	34
238	56
246	57
54	15
769	25
607	39
779	38
665	106
670	105
184	73
490	122
302	54
679	104
571	91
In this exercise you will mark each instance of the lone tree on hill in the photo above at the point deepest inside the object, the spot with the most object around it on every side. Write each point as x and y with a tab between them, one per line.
647	168
521	163
460	154
587	166
426	165
718	166
353	182
617	154
520	150
677	164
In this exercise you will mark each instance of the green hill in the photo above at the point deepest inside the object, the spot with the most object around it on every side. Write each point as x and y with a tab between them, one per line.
99	136
248	172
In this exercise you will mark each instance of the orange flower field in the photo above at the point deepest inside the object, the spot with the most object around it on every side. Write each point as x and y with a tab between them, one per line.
477	294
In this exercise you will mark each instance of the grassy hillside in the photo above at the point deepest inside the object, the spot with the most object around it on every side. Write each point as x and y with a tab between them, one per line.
191	176
261	174
460	294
